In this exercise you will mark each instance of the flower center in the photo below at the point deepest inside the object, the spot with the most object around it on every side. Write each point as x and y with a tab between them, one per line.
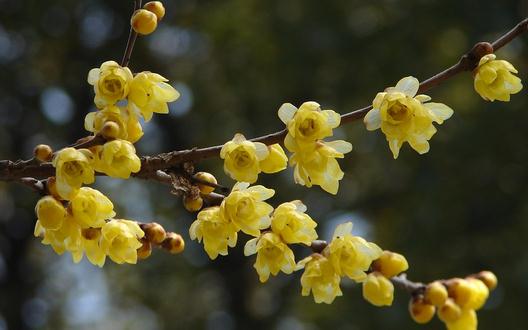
398	112
308	127
73	168
242	159
113	86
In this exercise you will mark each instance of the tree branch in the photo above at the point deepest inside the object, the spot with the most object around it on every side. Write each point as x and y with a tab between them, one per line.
132	36
14	170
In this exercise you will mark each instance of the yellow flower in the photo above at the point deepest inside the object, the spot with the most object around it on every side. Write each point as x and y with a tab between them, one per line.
120	240
467	321
73	168
90	208
111	83
242	158
245	208
390	264
307	124
276	160
292	224
216	232
320	278
495	79
117	159
378	290
150	93
272	255
66	238
351	255
129	126
50	213
317	164
404	117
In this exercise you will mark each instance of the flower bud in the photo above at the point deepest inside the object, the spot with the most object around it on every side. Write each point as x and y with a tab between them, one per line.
144	22
390	264
488	278
174	243
144	250
205	177
110	130
378	290
436	293
156	7
154	232
421	312
43	152
461	291
192	204
449	312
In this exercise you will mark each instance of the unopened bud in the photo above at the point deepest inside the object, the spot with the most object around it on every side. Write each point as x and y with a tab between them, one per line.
154	232
436	293
43	152
460	290
156	7
145	250
488	278
420	311
174	243
205	177
192	204
390	264
449	312
144	22
110	130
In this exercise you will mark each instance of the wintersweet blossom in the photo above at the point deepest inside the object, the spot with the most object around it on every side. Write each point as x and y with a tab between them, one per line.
117	159
50	213
320	278
65	238
120	240
378	290
404	116
127	121
317	164
290	221
216	232
307	124
276	160
149	93
273	255
242	158
467	321
351	255
245	208
73	167
495	79
111	83
90	208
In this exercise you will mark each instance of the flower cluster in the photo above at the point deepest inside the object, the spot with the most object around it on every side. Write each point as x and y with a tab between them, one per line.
454	300
244	159
314	160
86	226
345	255
289	225
404	116
244	209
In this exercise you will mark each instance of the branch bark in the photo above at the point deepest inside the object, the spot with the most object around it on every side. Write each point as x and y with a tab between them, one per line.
14	170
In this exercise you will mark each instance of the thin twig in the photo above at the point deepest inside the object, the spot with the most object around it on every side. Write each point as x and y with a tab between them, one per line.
132	36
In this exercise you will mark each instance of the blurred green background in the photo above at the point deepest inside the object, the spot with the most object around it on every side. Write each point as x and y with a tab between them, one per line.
461	208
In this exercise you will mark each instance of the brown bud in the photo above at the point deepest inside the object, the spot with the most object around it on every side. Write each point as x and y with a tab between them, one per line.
43	152
174	243
154	232
145	250
205	177
110	130
155	7
192	204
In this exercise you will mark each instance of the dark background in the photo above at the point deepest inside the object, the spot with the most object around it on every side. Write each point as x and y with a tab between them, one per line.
456	210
